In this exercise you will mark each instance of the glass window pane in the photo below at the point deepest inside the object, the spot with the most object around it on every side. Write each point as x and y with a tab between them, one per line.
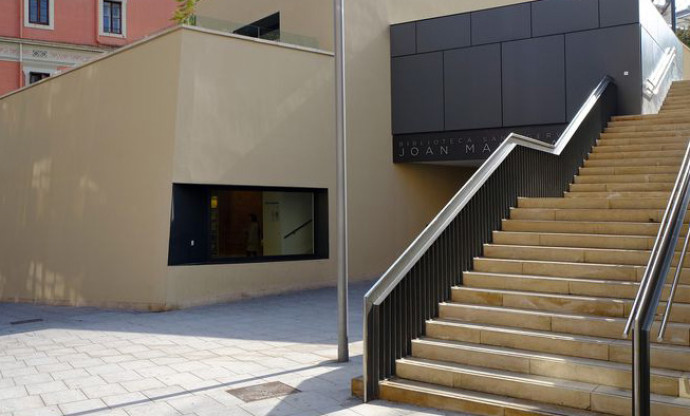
33	11
44	11
117	27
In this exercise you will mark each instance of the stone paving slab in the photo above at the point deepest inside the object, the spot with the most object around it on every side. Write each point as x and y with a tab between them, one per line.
92	362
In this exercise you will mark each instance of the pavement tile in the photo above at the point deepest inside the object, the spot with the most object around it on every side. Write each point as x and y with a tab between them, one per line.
103	390
49	387
83	406
61	397
20	405
126	399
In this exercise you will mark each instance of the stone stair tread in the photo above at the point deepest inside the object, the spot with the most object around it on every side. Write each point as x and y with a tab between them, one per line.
515	352
482	403
559	336
544	294
501	374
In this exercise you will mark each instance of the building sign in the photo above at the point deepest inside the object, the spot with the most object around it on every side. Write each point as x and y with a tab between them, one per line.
463	145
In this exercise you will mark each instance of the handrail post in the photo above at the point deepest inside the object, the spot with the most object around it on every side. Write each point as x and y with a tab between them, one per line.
641	365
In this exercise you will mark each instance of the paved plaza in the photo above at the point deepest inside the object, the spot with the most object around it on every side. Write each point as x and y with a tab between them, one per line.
86	361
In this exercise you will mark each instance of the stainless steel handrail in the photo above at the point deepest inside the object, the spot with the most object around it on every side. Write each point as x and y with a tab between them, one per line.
648	296
674	285
392	277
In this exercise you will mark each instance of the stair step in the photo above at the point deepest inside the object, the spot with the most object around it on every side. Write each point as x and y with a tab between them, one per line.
556	302
628	170
610	214
666	178
585	396
456	400
652	161
593	227
635	155
619	194
624	242
585	370
571	254
578	324
648	119
573	240
568	286
592	203
621	187
629	272
648	127
652	136
605	141
665	356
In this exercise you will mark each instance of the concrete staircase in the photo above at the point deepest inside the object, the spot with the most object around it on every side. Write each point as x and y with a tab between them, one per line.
536	328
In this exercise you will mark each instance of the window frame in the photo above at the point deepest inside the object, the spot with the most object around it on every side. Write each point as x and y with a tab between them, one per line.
321	220
36	25
43	75
123	19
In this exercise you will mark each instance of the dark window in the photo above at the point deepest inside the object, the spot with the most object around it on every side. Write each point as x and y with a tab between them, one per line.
37	76
267	28
229	224
38	12
112	17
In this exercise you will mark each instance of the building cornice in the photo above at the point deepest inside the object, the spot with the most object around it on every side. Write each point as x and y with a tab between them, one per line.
61	45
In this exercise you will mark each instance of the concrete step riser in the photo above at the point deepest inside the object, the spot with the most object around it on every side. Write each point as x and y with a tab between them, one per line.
666	161
648	128
636	155
619	195
642	141
616	242
621	187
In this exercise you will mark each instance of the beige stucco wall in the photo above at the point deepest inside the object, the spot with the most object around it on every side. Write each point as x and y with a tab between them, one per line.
309	18
258	114
85	173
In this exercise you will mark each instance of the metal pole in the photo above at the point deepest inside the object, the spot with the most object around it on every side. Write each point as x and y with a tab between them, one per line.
673	16
341	167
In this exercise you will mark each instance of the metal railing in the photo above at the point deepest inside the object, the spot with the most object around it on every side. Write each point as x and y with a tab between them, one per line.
398	305
643	313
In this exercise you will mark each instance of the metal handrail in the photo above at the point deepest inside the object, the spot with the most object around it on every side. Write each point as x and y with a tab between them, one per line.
648	297
396	273
652	85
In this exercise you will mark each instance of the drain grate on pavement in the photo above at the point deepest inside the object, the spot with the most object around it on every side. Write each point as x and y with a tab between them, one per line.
262	391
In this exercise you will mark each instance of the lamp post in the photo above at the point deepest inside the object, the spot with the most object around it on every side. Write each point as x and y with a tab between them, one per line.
341	185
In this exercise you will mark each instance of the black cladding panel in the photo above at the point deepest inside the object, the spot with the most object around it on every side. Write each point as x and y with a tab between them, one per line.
501	24
417	93
610	51
473	87
534	81
618	12
403	39
443	33
550	17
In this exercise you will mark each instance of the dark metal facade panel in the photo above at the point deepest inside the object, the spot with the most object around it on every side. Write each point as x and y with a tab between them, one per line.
417	93
534	81
403	39
501	24
473	88
550	17
610	51
443	33
618	12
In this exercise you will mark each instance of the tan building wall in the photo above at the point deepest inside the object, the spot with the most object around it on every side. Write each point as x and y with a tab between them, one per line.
686	62
85	173
388	204
258	114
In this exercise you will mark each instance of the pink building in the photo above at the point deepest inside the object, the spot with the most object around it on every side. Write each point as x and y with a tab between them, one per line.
41	37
